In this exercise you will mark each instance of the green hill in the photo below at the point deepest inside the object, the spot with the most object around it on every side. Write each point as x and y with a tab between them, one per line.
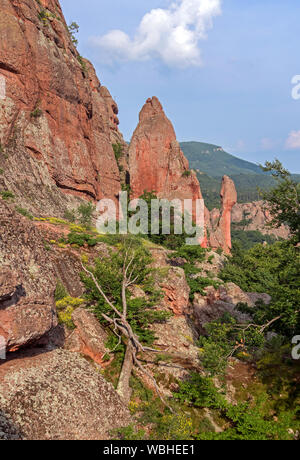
211	162
214	161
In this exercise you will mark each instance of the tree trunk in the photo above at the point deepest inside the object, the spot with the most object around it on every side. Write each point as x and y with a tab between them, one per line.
123	388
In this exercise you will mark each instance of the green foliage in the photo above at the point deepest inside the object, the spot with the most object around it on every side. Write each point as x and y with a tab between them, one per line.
109	272
24	212
284	199
170	240
186	173
85	213
211	162
118	151
7	195
36	113
250	238
248	423
273	270
60	291
70	215
83	64
129	433
81	239
190	253
73	29
65	309
200	392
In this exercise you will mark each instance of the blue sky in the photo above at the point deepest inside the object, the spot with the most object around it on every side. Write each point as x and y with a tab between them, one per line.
222	69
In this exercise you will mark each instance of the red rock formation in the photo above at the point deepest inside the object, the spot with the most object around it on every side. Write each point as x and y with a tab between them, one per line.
27	281
258	217
56	120
89	337
221	235
156	162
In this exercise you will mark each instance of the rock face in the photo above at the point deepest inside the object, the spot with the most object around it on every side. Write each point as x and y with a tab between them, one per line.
27	281
258	217
221	225
56	120
216	302
176	291
57	396
89	337
156	163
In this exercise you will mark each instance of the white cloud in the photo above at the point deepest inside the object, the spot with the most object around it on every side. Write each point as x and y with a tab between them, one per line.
171	35
293	141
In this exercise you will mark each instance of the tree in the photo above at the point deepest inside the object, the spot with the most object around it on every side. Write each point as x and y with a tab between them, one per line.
73	29
108	284
284	200
85	213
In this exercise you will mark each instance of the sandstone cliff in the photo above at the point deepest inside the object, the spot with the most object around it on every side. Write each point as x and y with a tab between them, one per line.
56	121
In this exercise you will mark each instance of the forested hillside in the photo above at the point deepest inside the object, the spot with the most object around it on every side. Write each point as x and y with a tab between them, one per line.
211	162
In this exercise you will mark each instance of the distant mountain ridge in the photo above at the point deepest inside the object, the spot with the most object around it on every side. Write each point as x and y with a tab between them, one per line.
211	162
214	161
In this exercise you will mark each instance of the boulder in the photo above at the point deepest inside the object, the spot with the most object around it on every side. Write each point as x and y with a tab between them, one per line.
217	302
57	396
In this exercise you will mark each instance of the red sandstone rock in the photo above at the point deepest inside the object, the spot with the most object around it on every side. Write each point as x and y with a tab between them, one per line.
89	337
156	163
56	120
221	236
27	281
176	291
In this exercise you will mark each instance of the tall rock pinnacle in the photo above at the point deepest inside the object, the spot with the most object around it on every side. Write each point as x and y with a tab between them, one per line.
221	237
156	162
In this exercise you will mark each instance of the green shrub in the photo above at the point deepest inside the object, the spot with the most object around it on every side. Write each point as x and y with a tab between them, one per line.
70	215
7	194
24	212
60	291
85	213
82	239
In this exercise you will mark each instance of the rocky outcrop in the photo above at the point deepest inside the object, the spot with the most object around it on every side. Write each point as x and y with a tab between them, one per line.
27	281
176	291
55	121
216	302
255	216
220	224
57	396
89	337
156	162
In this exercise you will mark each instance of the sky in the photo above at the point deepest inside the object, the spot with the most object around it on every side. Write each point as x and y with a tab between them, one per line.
225	71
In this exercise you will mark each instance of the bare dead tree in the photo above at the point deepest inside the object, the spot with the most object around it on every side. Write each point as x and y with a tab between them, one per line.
123	330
